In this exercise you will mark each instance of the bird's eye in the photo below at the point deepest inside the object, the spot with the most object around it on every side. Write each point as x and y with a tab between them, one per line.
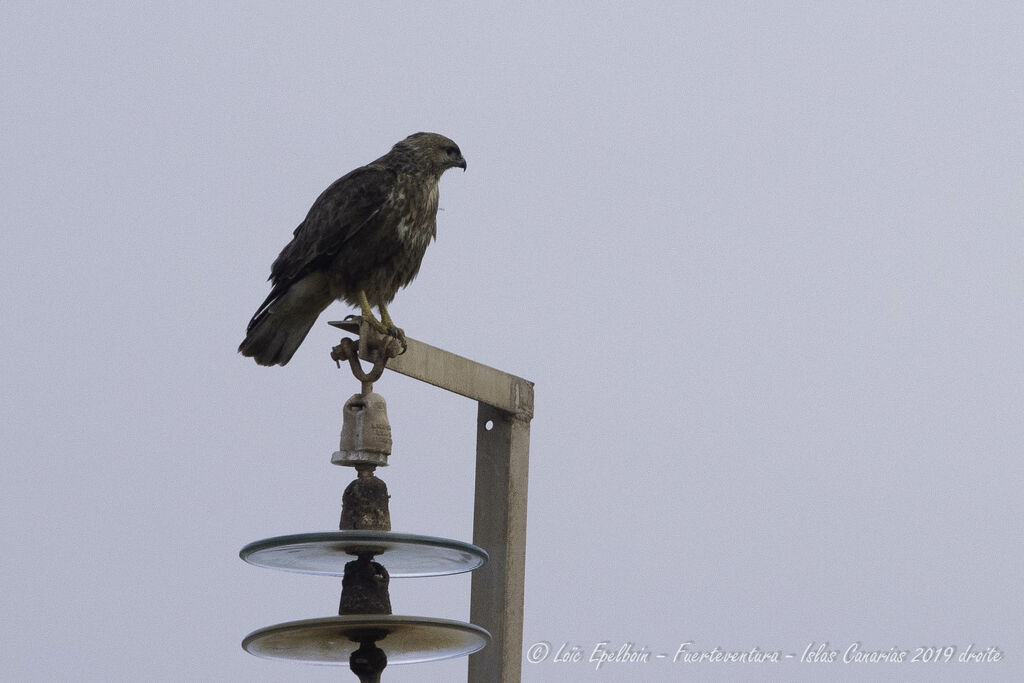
452	151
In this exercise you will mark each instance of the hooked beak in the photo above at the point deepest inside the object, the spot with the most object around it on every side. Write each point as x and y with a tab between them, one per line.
461	163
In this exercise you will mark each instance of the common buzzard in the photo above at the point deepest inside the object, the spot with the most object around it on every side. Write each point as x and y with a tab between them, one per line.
362	240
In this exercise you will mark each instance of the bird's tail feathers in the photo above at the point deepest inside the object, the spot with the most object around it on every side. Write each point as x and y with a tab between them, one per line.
281	325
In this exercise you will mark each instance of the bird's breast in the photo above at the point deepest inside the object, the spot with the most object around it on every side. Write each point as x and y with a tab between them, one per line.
414	207
388	252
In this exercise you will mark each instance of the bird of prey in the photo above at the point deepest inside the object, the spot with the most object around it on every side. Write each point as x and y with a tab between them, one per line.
362	240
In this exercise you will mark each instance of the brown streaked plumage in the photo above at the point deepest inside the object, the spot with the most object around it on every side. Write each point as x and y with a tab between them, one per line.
362	241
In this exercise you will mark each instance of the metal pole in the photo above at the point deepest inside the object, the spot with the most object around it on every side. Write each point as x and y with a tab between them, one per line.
499	526
499	515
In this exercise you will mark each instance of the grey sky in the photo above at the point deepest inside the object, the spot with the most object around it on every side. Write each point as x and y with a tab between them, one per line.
764	261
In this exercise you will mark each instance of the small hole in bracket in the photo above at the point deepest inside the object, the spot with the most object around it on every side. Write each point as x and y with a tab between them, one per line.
489	425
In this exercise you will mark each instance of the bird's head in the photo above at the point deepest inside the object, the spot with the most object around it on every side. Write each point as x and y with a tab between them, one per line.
432	151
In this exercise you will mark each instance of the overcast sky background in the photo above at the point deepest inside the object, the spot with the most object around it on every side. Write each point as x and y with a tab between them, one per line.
764	262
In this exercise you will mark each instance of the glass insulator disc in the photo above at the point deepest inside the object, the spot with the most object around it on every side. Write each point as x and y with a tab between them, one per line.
331	640
327	552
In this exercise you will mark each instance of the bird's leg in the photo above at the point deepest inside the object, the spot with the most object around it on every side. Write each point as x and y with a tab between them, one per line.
385	317
392	329
368	316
